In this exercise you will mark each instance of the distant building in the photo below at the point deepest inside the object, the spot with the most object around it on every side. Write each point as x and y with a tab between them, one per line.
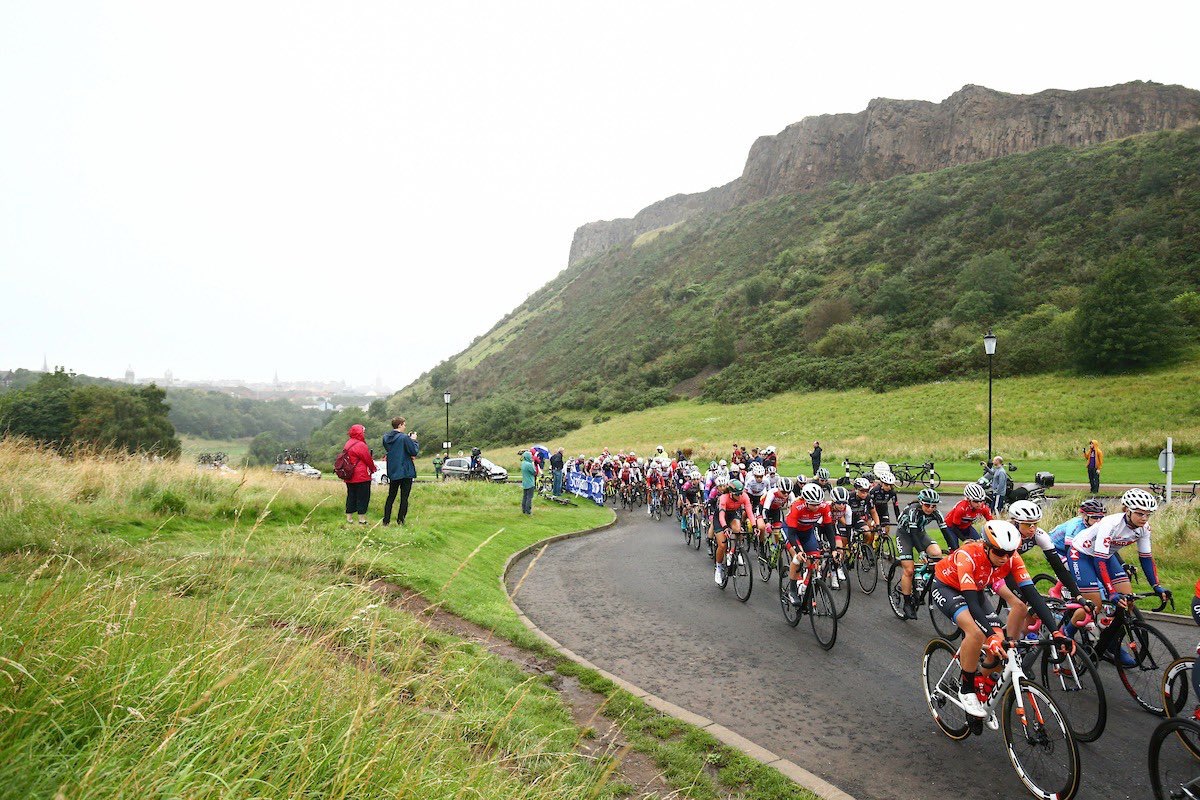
129	374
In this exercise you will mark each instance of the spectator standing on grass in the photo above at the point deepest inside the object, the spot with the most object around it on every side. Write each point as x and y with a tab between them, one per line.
999	478
528	478
401	446
437	465
815	455
556	470
358	485
1095	459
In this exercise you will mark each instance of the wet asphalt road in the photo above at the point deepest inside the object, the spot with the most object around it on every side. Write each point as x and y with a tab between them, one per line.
636	602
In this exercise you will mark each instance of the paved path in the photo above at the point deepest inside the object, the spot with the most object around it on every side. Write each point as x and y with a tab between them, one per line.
635	602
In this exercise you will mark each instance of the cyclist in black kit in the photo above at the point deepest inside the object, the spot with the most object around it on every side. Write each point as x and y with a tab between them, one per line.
884	492
911	536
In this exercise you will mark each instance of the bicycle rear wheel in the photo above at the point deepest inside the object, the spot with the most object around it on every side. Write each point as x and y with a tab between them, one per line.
697	529
839	588
885	554
1153	653
868	573
791	612
1040	745
1176	691
822	614
743	574
767	559
895	599
942	680
1075	685
1173	769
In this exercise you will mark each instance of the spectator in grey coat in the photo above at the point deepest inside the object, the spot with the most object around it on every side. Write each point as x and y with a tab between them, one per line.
999	479
556	470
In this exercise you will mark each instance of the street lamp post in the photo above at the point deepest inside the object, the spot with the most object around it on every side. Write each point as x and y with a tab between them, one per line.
446	444
989	347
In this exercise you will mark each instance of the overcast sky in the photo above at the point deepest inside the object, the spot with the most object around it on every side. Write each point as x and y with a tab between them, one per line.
356	190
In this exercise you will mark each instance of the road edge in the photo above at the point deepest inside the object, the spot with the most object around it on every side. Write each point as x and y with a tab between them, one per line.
789	769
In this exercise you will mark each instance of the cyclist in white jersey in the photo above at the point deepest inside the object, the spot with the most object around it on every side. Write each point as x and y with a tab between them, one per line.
1093	553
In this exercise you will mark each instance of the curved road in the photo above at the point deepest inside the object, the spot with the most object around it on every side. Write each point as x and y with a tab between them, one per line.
635	602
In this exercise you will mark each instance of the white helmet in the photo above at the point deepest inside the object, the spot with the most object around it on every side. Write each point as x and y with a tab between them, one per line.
1024	511
769	450
759	470
974	492
724	463
1001	535
771	470
811	493
862	483
1139	500
640	461
881	467
659	448
886	477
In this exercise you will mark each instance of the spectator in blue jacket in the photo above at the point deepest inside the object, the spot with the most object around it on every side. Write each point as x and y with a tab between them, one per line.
999	479
528	480
401	448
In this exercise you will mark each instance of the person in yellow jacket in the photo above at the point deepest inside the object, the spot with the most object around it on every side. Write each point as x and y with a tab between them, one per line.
1095	460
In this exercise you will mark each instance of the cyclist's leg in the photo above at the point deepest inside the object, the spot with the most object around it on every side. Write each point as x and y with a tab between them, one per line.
904	547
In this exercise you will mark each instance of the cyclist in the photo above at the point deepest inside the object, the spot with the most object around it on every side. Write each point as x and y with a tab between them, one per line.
799	483
772	479
884	492
959	583
822	479
1025	515
910	534
690	494
864	514
654	485
732	507
806	517
843	518
756	489
1091	511
960	522
1093	554
770	460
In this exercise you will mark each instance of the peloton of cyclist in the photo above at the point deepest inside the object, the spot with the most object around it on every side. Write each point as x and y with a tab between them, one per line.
960	522
959	583
911	535
732	507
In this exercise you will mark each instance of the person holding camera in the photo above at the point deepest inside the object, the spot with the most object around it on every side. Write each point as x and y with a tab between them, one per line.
999	479
401	446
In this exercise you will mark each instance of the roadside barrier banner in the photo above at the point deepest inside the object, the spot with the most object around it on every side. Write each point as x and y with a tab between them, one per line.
586	486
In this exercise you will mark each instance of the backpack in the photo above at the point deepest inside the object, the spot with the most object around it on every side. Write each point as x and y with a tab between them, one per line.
343	467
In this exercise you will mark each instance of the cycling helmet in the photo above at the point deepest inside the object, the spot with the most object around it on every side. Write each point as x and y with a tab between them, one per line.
712	465
929	496
1092	507
801	480
862	483
880	467
811	493
887	477
771	470
769	450
759	470
1024	511
735	487
840	495
724	463
1139	500
1001	535
659	448
640	461
822	474
974	492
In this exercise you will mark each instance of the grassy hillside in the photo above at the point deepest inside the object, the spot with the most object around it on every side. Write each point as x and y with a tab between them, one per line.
849	286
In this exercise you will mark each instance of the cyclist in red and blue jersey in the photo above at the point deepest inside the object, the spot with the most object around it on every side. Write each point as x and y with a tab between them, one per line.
806	518
960	522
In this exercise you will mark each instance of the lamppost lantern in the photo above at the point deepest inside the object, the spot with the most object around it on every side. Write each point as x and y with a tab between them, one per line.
989	346
446	395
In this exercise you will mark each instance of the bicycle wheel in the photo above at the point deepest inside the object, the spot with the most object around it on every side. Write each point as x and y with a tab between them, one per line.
725	580
1044	582
743	574
885	554
934	480
1153	653
945	627
839	588
1075	685
697	529
868	574
791	612
895	599
1177	687
1040	744
942	680
1174	772
767	559
821	613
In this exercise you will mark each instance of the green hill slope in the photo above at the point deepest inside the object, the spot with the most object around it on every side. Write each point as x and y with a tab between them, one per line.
867	285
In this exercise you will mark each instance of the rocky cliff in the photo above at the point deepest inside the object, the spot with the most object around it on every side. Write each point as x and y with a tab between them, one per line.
896	137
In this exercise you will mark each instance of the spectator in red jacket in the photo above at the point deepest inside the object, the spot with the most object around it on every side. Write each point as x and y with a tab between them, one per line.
358	486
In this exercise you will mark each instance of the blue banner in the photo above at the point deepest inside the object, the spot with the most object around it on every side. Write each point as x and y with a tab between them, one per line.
584	485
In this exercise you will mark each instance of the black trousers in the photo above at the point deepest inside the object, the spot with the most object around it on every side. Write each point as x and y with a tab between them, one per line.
404	486
1094	478
358	497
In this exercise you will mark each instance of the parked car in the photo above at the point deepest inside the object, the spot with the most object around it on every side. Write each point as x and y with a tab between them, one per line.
380	475
299	470
461	468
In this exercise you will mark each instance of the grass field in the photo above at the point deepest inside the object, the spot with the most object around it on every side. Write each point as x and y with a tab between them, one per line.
170	632
1040	422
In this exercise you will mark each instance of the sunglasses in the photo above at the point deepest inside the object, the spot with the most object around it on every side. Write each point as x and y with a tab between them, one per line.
928	505
1002	553
1093	517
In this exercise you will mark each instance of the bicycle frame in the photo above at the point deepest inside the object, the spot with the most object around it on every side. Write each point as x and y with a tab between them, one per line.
1012	675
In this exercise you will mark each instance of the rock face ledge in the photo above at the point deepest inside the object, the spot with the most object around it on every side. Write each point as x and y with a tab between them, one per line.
897	137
